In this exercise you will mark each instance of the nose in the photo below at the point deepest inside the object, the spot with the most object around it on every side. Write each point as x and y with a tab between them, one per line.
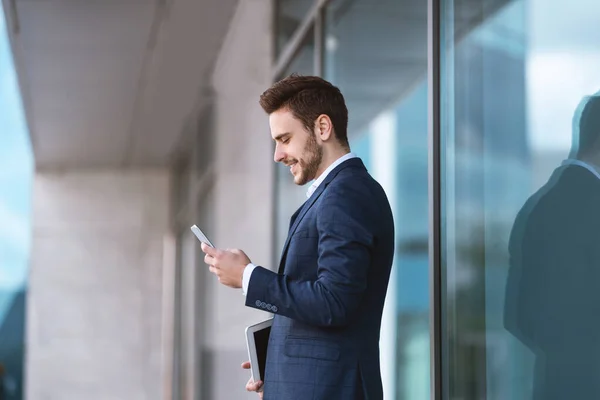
279	155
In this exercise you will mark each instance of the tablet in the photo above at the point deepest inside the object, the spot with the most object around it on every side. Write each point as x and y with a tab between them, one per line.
201	236
257	340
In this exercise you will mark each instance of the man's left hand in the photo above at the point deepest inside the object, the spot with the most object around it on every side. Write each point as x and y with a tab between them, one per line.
227	265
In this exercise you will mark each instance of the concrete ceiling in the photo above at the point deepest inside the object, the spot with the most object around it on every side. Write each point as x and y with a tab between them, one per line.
112	83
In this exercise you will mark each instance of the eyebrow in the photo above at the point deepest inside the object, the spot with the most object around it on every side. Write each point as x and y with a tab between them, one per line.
281	136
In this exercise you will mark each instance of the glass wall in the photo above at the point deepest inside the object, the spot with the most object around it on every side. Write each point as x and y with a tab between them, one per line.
289	196
519	181
383	79
519	225
289	16
376	53
193	199
16	174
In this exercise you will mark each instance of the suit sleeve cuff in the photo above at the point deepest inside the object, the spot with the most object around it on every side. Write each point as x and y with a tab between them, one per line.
259	295
246	277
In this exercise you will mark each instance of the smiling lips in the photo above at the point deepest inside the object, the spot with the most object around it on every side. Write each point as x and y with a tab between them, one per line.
292	165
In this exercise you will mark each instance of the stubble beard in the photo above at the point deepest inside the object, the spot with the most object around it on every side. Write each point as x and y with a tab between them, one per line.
310	162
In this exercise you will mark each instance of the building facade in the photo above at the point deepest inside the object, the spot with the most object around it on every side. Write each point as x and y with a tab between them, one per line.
461	109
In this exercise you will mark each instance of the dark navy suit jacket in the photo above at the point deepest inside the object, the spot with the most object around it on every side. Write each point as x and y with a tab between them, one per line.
329	293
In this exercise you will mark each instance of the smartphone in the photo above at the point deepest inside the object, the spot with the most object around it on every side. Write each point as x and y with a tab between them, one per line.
201	236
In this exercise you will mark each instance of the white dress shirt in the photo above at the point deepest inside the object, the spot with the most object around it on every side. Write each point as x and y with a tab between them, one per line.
311	189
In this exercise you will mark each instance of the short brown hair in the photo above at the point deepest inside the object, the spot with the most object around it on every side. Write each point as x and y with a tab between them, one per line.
307	97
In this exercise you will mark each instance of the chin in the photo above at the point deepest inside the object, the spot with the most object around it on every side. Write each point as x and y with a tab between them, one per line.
300	180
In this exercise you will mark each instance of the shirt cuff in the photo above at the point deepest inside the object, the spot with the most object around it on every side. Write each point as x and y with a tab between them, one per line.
246	277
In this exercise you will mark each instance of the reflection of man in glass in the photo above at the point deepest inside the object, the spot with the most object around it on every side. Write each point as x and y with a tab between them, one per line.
2	373
553	290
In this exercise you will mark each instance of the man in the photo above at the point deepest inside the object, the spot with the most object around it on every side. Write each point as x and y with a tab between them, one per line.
327	297
552	296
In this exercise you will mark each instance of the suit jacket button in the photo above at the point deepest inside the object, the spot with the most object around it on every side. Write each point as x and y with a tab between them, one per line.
269	307
263	304
257	303
274	309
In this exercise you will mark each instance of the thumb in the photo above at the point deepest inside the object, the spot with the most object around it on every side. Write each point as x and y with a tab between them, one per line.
208	250
246	365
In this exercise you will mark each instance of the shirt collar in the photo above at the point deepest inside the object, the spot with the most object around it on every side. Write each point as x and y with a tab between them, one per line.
320	179
593	169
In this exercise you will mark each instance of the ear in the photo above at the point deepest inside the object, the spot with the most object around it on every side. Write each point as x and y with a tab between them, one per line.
324	127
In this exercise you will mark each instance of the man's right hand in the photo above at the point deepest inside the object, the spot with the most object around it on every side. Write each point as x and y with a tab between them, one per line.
252	386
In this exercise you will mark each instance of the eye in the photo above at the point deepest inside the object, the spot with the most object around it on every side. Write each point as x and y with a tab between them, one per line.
285	140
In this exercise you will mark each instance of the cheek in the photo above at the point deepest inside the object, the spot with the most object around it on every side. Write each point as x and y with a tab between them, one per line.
294	151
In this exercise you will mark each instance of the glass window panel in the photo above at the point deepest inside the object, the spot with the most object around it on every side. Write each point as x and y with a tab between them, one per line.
519	229
185	318
289	196
16	175
290	14
304	60
205	295
376	53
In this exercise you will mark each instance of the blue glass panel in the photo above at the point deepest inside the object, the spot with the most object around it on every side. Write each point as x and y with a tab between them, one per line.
16	171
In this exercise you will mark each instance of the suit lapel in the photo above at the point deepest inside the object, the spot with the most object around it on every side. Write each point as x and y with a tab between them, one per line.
295	221
301	212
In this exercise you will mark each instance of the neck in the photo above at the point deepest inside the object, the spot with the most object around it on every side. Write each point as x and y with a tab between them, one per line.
591	160
329	157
